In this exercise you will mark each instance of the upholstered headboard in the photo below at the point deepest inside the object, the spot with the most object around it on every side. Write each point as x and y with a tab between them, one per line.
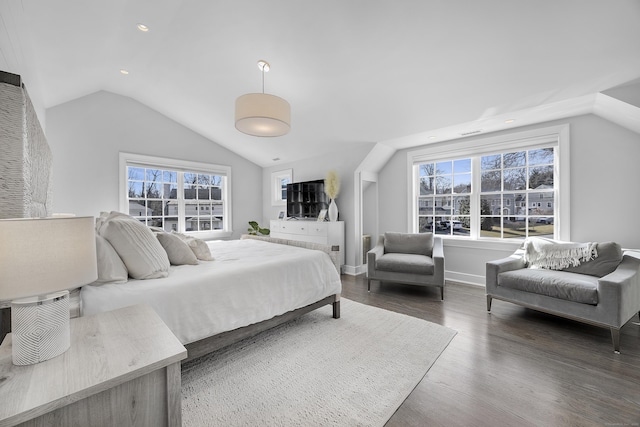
25	157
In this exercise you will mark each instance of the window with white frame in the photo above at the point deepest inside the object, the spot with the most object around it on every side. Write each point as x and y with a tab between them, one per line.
176	195
444	196
496	188
514	177
279	181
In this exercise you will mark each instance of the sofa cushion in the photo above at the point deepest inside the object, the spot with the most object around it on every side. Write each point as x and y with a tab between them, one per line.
405	263
608	259
404	243
574	287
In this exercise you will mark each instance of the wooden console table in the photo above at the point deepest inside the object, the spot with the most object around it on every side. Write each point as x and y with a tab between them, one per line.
123	369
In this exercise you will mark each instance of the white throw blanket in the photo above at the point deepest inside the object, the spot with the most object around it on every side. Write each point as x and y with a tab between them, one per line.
550	254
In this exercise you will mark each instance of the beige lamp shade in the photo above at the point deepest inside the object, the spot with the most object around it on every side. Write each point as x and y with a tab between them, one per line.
45	255
262	114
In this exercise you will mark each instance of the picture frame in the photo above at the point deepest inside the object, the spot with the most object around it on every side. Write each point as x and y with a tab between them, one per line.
322	215
281	215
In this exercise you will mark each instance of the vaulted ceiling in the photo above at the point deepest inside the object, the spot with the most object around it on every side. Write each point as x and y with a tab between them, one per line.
354	71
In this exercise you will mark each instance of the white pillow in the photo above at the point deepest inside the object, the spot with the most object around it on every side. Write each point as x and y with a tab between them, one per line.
136	245
111	269
178	251
199	247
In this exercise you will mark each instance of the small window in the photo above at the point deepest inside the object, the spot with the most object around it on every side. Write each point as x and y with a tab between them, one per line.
279	181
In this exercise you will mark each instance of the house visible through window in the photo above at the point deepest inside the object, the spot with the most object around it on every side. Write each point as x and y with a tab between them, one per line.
185	197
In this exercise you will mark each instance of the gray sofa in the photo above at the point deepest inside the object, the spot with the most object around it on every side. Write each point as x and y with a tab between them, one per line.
416	259
603	292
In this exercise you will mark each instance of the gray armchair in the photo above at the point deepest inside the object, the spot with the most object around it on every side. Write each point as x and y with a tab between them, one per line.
603	292
416	259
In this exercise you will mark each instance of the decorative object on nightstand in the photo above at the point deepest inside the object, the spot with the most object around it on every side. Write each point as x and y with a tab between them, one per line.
331	189
40	260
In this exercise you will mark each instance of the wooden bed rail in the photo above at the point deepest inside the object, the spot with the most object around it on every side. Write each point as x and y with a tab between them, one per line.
332	251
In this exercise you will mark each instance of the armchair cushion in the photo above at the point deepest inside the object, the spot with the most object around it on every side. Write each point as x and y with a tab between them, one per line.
419	244
405	263
574	287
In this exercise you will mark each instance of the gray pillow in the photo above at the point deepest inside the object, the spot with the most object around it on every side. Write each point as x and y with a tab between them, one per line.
608	259
199	247
178	251
405	243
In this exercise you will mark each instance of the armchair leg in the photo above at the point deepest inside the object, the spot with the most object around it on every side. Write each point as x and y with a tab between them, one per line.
368	285
442	293
615	337
489	302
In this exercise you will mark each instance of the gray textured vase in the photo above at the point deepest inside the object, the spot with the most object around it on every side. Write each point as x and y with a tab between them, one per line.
333	211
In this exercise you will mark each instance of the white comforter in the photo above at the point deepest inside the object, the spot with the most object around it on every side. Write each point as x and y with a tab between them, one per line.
248	282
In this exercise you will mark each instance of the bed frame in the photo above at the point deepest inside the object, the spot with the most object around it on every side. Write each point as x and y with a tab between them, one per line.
216	342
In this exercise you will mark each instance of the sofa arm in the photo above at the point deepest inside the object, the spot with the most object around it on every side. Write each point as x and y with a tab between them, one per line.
620	290
512	262
373	254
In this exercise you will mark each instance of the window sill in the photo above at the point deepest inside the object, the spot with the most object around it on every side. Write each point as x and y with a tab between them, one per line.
210	235
450	241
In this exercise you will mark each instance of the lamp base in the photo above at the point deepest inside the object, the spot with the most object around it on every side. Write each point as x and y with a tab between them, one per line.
40	328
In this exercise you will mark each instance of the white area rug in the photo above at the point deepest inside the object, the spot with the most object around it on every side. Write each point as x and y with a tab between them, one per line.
315	371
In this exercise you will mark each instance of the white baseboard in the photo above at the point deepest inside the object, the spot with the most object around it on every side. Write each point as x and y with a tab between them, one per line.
351	270
470	279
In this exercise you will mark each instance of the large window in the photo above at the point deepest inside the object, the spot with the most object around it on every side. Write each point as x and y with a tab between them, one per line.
498	188
176	195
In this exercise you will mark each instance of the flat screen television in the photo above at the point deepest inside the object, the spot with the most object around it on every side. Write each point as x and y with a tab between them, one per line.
306	199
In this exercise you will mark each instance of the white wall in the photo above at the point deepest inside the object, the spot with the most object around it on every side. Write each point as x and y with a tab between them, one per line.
603	199
87	134
16	54
345	164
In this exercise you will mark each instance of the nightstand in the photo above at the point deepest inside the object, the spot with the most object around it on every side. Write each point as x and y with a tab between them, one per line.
123	368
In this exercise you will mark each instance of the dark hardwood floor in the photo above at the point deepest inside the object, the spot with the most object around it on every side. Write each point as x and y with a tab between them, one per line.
513	366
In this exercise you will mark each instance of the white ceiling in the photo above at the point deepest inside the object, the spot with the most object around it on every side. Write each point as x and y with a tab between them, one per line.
354	71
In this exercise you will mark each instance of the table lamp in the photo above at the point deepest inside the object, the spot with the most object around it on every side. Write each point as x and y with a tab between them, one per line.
40	260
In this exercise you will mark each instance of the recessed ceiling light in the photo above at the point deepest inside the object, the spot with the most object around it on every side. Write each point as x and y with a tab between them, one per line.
432	137
142	28
510	121
124	72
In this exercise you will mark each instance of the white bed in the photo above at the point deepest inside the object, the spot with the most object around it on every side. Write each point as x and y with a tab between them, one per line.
250	281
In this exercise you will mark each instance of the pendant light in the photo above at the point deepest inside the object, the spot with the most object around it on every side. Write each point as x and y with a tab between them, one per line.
261	114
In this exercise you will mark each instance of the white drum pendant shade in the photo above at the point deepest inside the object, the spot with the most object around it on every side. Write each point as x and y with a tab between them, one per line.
261	114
